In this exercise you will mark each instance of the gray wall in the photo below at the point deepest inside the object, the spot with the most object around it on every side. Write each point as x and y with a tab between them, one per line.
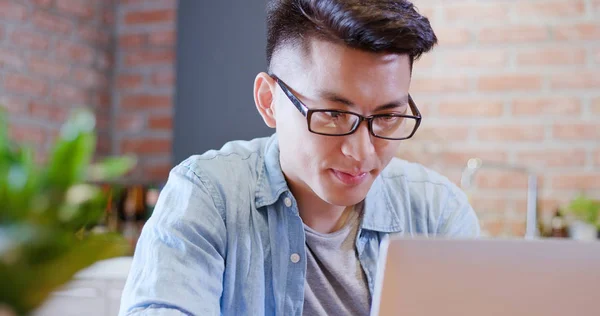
221	48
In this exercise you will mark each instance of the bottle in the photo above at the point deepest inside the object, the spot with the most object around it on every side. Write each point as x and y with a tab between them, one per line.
558	226
133	209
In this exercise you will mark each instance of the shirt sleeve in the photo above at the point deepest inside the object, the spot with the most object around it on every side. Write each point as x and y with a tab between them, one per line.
178	264
458	219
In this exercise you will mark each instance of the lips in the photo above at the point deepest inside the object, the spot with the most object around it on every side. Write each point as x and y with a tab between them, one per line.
350	178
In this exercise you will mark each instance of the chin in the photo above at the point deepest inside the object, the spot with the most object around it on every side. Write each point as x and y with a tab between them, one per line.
343	196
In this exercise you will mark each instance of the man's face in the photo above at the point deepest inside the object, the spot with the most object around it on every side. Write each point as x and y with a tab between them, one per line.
338	169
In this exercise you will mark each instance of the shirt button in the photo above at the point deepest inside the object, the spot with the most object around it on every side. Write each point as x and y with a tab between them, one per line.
295	258
288	202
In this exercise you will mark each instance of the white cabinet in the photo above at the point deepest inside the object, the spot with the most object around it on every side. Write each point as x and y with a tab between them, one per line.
95	291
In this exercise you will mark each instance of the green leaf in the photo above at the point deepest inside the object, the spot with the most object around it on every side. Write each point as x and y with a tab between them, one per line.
73	151
110	168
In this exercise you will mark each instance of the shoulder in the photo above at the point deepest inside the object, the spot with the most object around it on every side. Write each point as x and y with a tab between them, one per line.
235	161
435	203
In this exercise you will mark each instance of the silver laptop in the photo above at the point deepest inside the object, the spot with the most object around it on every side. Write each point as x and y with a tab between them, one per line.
435	277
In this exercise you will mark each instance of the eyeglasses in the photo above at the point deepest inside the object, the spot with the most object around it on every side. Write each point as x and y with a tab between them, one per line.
391	126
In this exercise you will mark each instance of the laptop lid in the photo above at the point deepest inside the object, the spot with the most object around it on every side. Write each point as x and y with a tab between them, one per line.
487	277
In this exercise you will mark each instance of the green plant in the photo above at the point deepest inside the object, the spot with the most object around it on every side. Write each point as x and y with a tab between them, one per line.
585	209
47	212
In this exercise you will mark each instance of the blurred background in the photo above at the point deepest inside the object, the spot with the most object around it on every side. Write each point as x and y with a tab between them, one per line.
513	83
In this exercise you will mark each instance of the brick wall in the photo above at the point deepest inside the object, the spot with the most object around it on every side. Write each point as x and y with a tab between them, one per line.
55	55
116	57
144	84
513	82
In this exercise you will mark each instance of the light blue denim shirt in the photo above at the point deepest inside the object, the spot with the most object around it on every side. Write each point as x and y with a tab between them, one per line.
225	235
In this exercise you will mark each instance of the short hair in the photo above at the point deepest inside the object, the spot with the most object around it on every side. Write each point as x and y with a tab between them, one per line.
379	26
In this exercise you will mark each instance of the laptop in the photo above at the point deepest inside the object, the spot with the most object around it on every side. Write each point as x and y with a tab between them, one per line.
485	277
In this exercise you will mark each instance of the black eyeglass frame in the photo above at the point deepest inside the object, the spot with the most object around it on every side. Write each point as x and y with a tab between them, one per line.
309	112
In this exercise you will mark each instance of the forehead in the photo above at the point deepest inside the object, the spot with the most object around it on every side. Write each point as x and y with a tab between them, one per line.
360	76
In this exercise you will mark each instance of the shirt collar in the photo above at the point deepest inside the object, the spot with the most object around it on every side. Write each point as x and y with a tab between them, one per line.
379	215
271	181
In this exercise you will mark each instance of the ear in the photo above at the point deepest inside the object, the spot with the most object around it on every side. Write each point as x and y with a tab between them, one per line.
264	95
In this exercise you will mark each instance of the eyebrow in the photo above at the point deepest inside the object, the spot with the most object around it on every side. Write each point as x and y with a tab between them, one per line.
334	97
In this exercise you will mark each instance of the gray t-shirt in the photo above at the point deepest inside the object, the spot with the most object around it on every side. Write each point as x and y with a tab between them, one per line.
335	282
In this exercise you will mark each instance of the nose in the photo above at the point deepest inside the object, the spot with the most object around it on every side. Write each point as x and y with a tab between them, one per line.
359	145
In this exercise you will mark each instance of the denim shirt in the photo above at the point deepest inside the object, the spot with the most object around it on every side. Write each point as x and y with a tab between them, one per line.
226	236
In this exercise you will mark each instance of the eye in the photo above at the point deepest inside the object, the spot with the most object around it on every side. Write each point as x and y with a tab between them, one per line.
336	115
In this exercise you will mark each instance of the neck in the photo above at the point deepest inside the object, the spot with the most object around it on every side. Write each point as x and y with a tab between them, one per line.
317	214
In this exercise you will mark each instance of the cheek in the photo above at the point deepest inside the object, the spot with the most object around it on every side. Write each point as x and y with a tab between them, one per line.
386	150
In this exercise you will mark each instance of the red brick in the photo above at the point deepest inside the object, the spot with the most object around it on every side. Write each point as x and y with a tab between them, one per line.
146	146
1	33
75	52
89	78
14	105
550	9
10	59
596	5
102	99
12	10
48	112
146	101
164	77
500	179
584	31
126	82
132	40
511	133
157	172
78	8
476	12
453	36
509	82
108	18
596	106
513	34
587	181
94	35
552	158
43	3
52	23
489	205
461	157
557	106
47	67
426	61
103	120
25	84
27	134
130	123
150	16
597	155
162	38
145	58
517	228
476	58
160	122
493	228
575	80
552	56
69	95
30	40
104	60
576	131
440	84
471	107
442	133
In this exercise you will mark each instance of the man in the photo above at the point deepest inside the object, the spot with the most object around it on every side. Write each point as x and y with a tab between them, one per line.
291	224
